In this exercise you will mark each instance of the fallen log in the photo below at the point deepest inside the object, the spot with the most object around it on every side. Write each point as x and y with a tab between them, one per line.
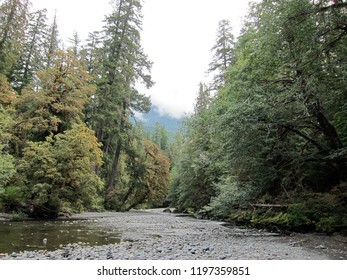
260	205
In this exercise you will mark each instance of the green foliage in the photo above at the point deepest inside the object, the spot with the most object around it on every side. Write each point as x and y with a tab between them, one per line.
117	63
276	127
262	218
323	212
59	172
6	93
223	53
146	176
56	101
7	168
49	157
13	19
230	195
270	220
12	199
7	161
18	215
33	55
157	176
194	168
160	137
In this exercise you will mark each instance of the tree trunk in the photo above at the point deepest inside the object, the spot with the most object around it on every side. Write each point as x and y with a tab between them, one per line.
327	129
115	162
334	142
113	171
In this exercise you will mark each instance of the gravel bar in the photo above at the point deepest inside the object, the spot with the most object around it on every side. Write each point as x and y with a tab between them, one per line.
156	235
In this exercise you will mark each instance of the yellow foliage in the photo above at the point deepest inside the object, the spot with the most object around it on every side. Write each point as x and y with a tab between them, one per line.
6	93
61	170
57	99
157	177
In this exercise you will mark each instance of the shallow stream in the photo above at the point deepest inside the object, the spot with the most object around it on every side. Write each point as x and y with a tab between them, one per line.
16	236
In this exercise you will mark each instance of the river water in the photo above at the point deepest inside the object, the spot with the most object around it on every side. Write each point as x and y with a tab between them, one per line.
153	234
16	236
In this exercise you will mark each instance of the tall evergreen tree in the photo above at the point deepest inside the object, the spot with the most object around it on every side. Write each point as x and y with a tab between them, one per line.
58	154
32	57
194	171
13	23
76	41
124	64
223	53
52	43
203	99
92	54
55	101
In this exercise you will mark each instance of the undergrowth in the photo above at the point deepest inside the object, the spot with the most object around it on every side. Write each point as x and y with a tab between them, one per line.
326	212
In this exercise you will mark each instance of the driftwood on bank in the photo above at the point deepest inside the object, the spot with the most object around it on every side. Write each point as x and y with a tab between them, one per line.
277	206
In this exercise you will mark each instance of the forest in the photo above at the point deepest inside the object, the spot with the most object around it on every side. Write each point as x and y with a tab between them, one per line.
265	145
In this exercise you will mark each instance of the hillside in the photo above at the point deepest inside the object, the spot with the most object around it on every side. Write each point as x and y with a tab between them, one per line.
149	120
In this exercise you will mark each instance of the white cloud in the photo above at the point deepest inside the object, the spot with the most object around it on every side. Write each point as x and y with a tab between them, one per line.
177	36
75	15
139	117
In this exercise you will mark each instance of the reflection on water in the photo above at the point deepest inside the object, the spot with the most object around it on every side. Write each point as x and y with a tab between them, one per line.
16	236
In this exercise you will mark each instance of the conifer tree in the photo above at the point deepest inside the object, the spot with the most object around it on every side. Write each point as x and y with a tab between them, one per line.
13	22
223	53
124	64
32	58
55	101
52	43
58	154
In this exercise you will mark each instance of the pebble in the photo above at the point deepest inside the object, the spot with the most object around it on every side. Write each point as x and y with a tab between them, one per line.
181	238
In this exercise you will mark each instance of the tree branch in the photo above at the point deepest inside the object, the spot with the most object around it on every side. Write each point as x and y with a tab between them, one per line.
299	133
321	9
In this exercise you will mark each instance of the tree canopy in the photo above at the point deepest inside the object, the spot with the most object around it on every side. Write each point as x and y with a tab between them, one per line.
67	140
270	129
274	130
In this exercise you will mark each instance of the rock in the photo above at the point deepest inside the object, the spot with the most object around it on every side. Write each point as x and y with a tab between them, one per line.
167	210
109	255
181	238
66	253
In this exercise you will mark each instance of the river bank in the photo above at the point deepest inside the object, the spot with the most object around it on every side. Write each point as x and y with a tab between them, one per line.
153	234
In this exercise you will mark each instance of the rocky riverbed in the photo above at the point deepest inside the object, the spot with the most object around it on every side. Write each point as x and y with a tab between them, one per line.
153	234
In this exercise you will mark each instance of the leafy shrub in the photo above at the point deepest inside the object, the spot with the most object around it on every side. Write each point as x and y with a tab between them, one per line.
230	195
241	217
323	212
60	173
300	217
270	220
12	198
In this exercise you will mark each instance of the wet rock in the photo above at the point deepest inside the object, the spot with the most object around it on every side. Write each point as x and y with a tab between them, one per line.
181	238
66	253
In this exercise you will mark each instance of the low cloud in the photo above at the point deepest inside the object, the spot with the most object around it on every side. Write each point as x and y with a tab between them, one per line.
173	105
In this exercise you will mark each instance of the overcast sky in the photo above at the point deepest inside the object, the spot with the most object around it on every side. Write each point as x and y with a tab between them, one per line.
177	36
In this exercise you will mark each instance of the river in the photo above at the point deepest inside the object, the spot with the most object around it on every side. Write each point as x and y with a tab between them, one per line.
153	234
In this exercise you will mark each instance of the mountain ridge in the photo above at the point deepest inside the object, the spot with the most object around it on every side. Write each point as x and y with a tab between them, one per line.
148	120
